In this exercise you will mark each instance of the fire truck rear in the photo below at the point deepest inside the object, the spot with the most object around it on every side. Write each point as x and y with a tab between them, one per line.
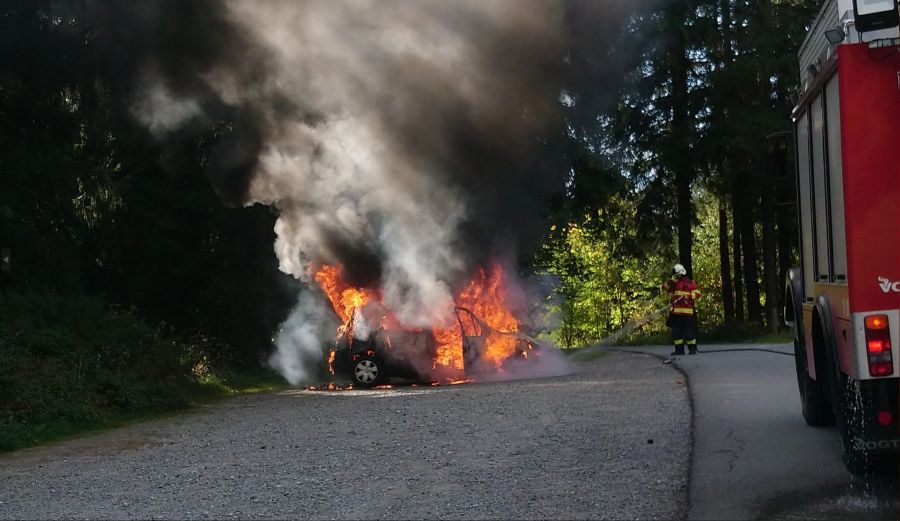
844	299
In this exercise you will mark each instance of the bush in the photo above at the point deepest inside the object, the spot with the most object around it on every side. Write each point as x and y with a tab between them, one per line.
76	360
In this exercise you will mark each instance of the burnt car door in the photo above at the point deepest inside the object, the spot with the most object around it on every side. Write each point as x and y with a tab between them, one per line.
474	335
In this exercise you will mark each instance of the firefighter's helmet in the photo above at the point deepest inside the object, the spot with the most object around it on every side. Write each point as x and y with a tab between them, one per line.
679	270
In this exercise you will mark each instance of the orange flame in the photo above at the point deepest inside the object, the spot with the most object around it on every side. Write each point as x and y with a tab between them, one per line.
449	349
485	295
344	298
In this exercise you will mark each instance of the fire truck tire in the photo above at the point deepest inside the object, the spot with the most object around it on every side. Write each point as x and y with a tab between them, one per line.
813	398
856	461
367	371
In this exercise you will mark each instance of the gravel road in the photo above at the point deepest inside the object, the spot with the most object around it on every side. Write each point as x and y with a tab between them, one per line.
611	441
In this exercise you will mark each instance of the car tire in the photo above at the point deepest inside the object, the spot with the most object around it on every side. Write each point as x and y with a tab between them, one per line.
367	371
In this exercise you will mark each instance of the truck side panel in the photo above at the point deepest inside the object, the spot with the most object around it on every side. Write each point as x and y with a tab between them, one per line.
870	141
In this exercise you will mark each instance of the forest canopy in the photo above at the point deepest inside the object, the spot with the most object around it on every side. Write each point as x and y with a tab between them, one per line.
676	146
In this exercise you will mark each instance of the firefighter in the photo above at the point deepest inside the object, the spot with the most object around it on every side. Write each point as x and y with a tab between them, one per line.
682	316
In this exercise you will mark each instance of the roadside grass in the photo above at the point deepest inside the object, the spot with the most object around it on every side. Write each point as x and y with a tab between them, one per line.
230	383
722	334
213	389
71	365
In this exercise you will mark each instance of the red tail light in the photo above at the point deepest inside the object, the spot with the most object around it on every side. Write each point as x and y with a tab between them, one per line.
881	368
878	345
875	346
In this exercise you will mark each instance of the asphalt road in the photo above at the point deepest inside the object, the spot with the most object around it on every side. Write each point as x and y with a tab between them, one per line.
753	455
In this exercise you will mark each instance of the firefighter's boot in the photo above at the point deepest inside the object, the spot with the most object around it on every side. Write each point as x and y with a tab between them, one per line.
692	347
679	348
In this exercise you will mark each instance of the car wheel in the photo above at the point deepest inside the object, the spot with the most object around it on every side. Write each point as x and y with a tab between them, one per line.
367	371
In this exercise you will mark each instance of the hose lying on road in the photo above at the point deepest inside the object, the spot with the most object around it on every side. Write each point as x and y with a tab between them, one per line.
729	350
763	349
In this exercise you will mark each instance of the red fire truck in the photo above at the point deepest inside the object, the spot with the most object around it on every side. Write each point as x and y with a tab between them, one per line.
844	299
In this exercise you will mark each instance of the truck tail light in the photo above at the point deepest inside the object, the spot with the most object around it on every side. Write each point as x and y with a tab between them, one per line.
878	346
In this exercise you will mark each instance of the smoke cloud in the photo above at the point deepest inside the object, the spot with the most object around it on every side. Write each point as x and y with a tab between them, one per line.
299	339
406	141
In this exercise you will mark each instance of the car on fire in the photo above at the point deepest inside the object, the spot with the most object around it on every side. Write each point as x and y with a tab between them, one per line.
391	353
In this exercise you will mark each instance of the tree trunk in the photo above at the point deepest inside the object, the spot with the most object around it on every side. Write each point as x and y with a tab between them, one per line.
679	156
748	247
736	251
732	295
786	216
725	264
769	173
770	275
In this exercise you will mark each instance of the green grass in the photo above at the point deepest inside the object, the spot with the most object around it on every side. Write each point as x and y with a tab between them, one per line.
731	334
74	364
229	383
212	389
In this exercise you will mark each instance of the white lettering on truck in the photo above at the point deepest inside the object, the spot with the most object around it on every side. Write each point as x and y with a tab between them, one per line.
888	285
860	444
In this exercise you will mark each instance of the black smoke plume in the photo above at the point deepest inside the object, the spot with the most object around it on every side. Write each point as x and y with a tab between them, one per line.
408	141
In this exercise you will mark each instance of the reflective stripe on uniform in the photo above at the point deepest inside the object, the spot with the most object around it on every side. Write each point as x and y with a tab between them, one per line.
683	311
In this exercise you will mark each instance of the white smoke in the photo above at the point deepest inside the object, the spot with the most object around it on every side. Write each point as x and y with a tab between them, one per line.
299	342
336	179
365	113
546	362
357	65
161	111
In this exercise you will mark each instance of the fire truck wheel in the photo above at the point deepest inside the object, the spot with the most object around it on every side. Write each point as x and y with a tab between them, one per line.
815	407
849	404
367	371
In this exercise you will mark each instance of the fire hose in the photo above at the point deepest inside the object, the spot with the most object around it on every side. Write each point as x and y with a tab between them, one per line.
638	322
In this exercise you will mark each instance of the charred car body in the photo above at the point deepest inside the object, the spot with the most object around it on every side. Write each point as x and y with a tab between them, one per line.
374	358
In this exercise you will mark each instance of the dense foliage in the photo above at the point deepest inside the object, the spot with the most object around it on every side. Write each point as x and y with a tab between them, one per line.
127	270
94	209
696	155
73	360
92	203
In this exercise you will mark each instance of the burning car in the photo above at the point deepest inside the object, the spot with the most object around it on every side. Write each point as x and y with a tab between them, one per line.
425	356
479	337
